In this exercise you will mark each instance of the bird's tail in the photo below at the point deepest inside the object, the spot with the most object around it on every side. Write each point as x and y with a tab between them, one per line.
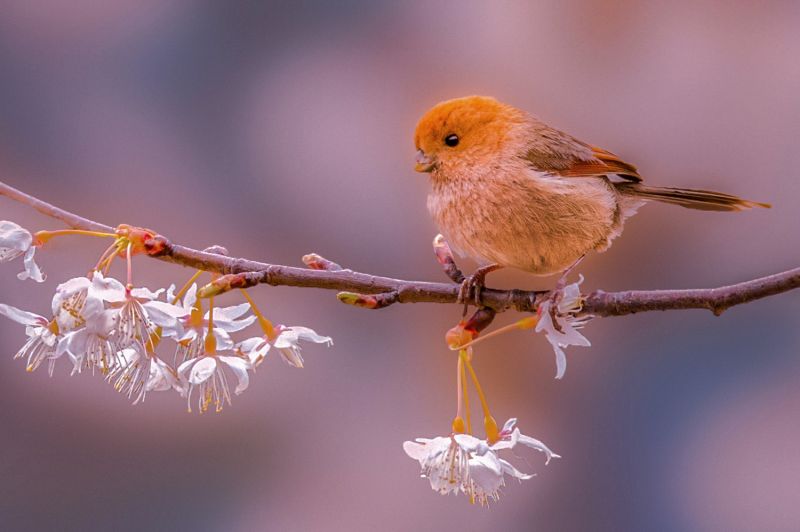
704	200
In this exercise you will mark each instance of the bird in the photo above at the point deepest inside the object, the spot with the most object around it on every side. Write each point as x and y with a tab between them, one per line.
510	191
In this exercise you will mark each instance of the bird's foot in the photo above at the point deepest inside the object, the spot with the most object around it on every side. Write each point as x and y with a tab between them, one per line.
473	285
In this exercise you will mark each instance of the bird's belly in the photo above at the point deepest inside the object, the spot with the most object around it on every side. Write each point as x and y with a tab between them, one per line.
542	229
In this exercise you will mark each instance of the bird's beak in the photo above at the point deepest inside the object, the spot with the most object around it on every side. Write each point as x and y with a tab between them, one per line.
424	162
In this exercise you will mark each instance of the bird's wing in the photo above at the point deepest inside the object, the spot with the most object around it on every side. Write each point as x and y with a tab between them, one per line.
560	154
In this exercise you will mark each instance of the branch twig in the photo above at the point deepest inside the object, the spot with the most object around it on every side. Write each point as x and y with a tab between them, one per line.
324	274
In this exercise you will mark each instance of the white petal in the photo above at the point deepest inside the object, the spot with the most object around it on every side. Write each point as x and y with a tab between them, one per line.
224	340
167	311
202	370
239	367
304	333
69	288
171	293
190	298
539	446
292	356
128	356
509	469
14	240
75	343
486	472
509	425
188	336
108	288
32	270
186	364
415	450
229	313
561	360
234	325
22	316
161	377
255	349
145	293
470	443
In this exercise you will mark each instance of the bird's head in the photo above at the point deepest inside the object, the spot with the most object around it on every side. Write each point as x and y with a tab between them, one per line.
472	131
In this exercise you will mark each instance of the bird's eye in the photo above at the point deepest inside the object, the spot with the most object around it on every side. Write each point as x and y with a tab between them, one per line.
451	140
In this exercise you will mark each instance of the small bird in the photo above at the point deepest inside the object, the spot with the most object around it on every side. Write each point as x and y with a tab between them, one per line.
509	190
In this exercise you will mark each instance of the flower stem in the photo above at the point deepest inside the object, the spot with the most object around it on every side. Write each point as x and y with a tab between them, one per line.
492	432
42	237
462	381
211	340
186	286
129	262
265	324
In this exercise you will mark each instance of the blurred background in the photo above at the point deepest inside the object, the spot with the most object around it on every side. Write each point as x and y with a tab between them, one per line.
282	128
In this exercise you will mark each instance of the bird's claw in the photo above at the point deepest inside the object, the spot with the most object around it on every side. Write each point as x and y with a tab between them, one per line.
473	285
471	289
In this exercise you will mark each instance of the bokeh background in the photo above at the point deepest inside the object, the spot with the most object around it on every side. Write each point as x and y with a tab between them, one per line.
281	128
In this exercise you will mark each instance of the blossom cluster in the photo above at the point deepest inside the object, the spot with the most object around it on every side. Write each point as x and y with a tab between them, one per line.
99	325
120	331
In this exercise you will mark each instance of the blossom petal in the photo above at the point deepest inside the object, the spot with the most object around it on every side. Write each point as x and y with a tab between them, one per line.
539	446
32	270
14	240
108	288
415	450
186	364
309	335
292	356
255	349
224	340
75	303
202	370
509	469
470	443
161	377
190	298
229	313
146	293
22	316
239	367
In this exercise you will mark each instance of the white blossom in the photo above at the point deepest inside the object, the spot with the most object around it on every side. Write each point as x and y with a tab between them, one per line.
138	314
444	462
75	303
205	374
191	325
462	462
569	304
15	242
287	342
93	346
44	338
141	372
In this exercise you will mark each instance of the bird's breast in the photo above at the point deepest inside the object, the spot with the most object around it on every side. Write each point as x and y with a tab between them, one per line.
523	219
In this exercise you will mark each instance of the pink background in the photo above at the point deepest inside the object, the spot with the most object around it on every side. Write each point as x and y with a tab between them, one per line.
278	129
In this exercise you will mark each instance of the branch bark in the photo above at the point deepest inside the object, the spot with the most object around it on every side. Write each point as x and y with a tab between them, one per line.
598	303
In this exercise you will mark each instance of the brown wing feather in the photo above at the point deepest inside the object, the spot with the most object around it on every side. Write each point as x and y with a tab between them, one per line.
577	159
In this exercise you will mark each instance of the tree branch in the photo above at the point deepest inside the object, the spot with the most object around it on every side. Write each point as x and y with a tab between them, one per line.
327	275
